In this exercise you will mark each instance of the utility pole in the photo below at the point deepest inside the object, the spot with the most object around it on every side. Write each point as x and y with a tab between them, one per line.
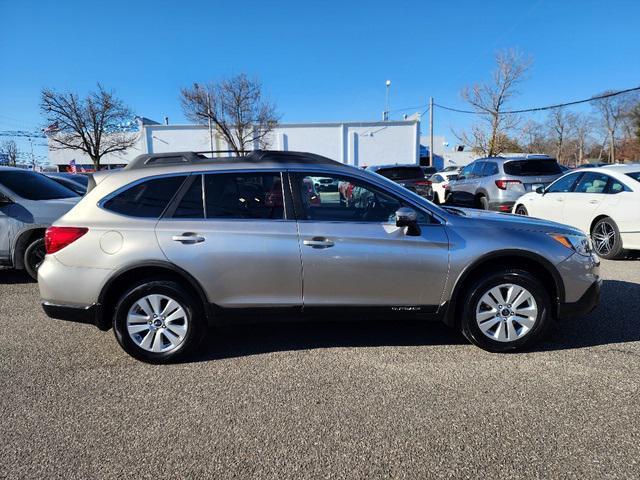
33	159
431	131
208	97
385	115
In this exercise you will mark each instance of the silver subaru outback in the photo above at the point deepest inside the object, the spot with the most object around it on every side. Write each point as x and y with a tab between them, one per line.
176	243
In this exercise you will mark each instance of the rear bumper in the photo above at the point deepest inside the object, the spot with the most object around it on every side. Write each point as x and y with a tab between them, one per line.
501	206
72	313
586	304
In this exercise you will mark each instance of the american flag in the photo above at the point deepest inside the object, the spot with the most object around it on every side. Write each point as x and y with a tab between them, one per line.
51	128
72	167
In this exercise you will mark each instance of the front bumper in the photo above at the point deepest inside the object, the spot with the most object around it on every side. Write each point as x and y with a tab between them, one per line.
585	304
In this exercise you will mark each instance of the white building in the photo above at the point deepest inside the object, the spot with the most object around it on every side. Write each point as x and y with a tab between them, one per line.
354	143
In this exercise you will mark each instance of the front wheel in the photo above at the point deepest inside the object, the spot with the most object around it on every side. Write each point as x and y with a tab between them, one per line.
34	256
606	239
506	311
158	321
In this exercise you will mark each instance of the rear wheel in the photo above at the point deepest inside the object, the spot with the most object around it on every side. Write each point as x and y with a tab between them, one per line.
483	202
606	239
34	256
436	198
158	321
506	311
522	210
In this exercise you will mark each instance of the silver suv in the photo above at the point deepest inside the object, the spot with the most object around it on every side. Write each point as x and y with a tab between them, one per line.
176	243
495	183
29	203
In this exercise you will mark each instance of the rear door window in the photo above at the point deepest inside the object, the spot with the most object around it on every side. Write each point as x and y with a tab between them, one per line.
192	203
244	195
478	167
490	168
532	168
592	182
147	199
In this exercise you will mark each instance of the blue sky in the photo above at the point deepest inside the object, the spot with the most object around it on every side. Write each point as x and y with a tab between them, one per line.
318	60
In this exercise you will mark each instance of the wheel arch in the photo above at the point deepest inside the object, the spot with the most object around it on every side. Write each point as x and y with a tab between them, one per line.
22	241
597	219
122	279
494	261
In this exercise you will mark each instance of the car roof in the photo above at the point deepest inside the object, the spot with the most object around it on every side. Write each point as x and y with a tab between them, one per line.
622	168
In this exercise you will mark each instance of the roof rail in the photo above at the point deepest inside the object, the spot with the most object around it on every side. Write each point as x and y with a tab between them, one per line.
255	156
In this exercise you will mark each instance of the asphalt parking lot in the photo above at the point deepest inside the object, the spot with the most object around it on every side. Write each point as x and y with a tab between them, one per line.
323	401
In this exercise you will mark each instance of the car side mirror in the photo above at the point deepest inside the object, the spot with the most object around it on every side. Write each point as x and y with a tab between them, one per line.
4	200
407	217
540	190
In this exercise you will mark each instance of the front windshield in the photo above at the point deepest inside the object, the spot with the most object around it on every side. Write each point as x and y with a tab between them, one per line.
34	186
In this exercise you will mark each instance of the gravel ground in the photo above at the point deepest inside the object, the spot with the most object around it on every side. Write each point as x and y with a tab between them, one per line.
326	400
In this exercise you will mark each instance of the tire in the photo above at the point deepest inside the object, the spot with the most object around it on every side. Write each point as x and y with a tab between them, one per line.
33	257
521	210
506	329
483	202
436	198
157	339
606	239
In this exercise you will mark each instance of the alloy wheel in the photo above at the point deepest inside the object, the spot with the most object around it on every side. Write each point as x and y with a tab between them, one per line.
506	313
157	323
604	238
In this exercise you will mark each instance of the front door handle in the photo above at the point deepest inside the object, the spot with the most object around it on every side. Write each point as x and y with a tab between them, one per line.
188	238
318	242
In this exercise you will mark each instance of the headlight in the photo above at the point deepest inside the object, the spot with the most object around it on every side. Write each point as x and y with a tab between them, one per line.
577	243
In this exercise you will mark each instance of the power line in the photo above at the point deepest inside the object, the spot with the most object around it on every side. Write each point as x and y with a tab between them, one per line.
548	107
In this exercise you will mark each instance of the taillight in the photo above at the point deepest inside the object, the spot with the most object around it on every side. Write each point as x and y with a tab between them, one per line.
422	182
508	184
56	238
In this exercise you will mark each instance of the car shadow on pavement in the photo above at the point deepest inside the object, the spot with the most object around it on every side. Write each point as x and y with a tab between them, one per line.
9	276
254	339
615	320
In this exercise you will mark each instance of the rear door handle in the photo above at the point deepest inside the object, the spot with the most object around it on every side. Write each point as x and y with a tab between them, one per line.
188	238
593	201
318	242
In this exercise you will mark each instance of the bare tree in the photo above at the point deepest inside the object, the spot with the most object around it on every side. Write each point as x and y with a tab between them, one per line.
581	128
612	112
92	124
10	149
235	107
490	99
560	124
533	138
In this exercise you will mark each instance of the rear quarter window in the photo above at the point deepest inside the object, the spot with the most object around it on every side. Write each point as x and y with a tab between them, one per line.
147	199
527	168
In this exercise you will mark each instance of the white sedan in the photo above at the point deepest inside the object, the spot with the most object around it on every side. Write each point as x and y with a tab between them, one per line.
603	202
439	182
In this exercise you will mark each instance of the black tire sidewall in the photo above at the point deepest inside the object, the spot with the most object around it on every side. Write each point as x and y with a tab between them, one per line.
479	287
617	249
522	208
32	270
483	202
177	293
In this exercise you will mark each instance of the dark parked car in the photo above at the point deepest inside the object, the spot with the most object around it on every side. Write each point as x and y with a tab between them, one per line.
73	181
409	176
